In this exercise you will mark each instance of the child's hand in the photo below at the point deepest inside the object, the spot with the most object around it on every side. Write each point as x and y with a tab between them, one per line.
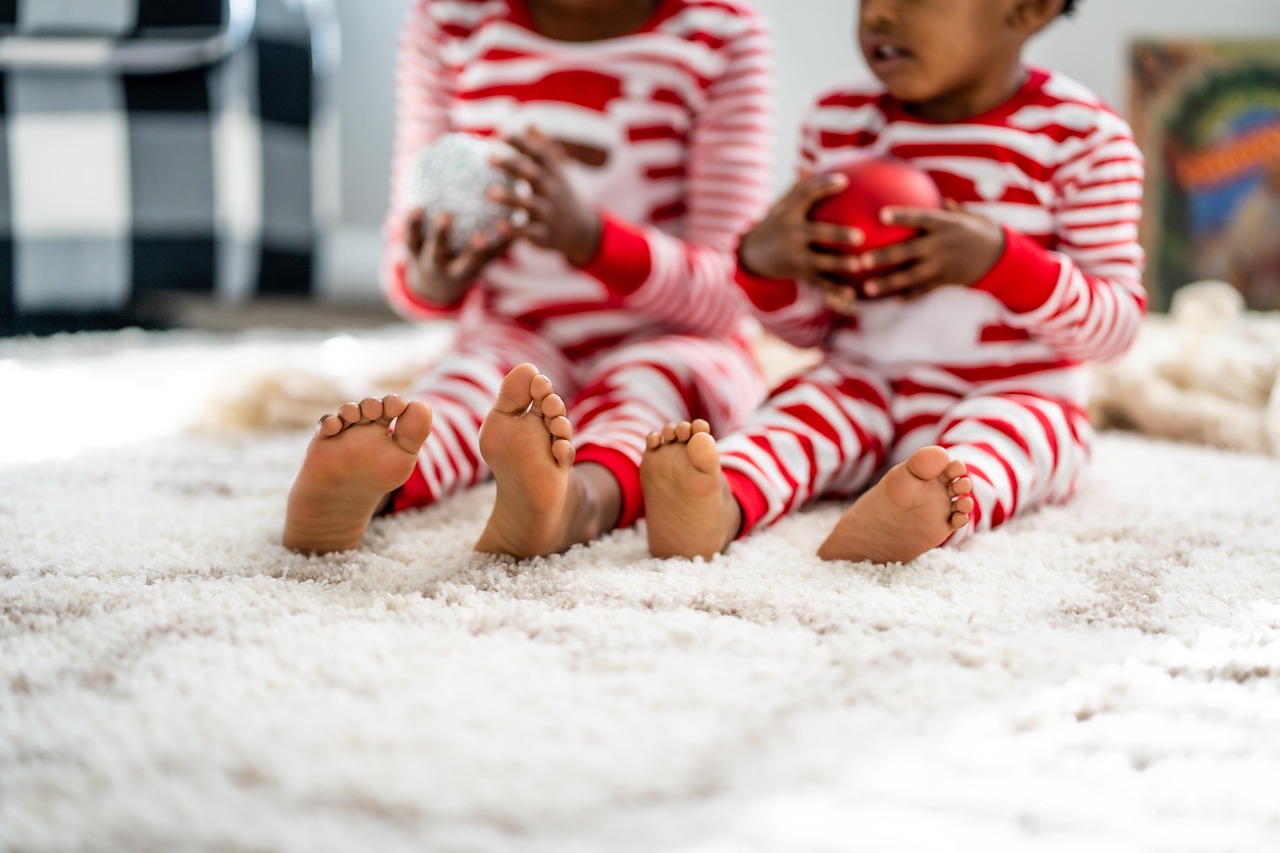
785	244
556	218
956	247
436	273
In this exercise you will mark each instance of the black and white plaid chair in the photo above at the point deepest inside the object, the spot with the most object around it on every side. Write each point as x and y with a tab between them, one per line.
151	146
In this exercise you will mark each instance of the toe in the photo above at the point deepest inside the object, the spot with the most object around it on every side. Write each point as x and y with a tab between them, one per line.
350	414
540	387
561	427
702	452
963	505
927	462
961	486
684	429
563	452
329	426
653	440
371	408
393	406
514	396
413	425
552	407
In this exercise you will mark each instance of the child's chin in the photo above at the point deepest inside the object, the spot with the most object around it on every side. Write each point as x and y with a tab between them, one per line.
902	89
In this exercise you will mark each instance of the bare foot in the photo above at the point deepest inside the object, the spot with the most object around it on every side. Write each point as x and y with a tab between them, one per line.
913	509
689	509
525	441
351	465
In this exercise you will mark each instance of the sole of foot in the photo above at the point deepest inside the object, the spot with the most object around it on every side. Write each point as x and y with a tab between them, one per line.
689	509
914	508
526	441
357	456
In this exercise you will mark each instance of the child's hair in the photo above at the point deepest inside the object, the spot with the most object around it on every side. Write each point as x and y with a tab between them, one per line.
1068	6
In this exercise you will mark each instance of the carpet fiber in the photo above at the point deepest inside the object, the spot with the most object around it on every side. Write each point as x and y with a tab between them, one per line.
1103	676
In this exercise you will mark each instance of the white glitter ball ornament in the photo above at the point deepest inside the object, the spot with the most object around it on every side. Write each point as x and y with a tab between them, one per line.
451	175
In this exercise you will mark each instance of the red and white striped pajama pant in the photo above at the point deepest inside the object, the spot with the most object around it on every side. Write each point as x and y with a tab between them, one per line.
830	432
614	399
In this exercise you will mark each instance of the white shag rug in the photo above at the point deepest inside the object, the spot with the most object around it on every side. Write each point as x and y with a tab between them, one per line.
1103	676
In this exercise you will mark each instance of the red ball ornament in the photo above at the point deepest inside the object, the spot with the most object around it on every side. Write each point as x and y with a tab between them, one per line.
875	181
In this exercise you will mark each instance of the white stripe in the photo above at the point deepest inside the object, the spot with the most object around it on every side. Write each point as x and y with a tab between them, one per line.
1093	215
464	14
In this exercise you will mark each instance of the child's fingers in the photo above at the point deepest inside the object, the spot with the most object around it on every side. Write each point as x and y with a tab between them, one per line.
833	264
808	192
524	168
414	236
536	206
537	146
506	197
828	234
535	231
920	218
489	246
495	247
895	254
438	240
478	253
900	281
552	151
813	190
523	145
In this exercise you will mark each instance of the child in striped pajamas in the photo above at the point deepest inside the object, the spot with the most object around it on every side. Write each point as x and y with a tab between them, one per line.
963	373
643	129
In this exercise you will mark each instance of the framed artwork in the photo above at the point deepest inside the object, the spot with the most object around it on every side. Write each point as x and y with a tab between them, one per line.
1207	116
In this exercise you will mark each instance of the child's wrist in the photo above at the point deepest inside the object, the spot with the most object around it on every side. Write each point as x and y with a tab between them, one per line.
749	261
432	290
585	243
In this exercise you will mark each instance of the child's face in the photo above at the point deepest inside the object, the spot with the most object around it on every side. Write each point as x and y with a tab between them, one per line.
948	58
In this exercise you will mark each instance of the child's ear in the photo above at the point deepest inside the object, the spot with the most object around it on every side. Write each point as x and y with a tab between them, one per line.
1030	16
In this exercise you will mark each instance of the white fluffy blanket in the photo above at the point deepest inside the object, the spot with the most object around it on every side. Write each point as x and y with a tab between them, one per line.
1103	676
1208	372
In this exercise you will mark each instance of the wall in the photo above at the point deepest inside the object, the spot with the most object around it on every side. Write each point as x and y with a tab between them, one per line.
814	43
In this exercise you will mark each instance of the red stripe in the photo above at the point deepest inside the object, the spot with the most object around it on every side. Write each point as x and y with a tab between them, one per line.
973	472
590	89
1002	334
1006	429
809	416
911	424
667	212
911	387
1050	434
655	132
767	446
1032	168
998	372
658	173
831	139
1000	511
750	499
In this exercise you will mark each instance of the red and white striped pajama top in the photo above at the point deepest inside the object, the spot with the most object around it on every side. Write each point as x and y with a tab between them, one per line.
996	372
673	129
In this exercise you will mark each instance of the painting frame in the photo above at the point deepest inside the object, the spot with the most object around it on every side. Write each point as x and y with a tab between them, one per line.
1206	114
